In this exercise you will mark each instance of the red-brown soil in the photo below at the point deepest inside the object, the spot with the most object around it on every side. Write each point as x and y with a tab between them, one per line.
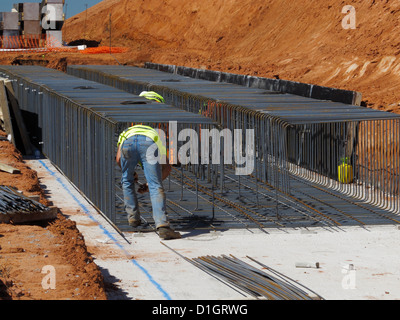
298	40
26	249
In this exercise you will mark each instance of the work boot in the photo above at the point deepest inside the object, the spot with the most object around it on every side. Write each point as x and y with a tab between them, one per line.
166	233
134	223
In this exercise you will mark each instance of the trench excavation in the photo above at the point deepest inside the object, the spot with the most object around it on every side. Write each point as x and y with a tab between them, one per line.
296	181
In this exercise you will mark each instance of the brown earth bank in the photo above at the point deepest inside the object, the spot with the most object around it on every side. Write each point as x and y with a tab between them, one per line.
299	40
27	251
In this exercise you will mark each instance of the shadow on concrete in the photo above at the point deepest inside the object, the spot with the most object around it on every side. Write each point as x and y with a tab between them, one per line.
113	292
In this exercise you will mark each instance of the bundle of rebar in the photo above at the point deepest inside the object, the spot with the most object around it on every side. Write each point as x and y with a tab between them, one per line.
247	279
11	201
256	283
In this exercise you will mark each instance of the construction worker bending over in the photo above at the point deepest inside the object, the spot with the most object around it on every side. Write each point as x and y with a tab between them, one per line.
133	144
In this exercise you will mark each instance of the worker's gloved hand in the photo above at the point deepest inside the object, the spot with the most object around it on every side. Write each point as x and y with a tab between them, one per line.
143	188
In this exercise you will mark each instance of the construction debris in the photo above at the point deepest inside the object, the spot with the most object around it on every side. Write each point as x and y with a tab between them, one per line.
16	208
307	265
6	168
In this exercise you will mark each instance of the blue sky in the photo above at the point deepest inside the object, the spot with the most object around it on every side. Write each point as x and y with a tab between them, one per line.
73	8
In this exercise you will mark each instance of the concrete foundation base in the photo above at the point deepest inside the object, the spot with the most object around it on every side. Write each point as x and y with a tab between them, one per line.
354	262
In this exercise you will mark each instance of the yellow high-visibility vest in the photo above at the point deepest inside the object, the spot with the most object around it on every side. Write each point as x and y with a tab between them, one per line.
144	131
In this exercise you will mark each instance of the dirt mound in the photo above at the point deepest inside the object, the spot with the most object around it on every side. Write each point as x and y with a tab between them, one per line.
27	180
25	250
297	40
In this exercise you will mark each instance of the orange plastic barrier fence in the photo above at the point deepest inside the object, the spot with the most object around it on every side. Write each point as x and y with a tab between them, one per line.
32	43
99	50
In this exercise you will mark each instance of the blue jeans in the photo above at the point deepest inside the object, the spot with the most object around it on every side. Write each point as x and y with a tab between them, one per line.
134	150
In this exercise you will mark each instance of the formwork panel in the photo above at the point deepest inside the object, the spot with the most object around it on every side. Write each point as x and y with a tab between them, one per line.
55	11
54	38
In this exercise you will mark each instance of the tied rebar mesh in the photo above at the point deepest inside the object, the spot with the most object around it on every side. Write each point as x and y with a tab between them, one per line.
307	172
79	121
341	147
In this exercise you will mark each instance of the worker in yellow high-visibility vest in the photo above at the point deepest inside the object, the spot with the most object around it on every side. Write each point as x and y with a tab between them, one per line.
133	146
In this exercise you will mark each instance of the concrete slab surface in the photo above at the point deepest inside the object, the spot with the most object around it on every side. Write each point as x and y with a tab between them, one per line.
356	263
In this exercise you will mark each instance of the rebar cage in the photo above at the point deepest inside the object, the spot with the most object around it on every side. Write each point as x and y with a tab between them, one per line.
343	147
313	162
79	122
